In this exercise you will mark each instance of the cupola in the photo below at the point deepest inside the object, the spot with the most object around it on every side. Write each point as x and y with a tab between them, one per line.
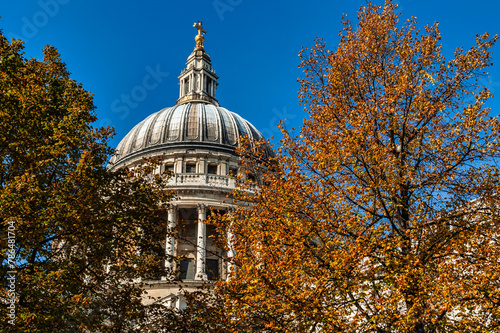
198	82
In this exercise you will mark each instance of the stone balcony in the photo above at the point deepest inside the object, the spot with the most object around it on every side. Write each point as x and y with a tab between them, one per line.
202	180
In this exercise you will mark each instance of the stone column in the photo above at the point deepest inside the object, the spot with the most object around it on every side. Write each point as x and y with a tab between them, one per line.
231	267
170	239
201	244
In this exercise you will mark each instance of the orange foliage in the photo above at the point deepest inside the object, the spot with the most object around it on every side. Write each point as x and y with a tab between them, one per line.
381	215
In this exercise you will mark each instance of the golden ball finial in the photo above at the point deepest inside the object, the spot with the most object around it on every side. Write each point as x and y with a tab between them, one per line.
199	37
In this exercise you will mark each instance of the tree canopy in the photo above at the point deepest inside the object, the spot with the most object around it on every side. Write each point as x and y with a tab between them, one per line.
75	235
381	214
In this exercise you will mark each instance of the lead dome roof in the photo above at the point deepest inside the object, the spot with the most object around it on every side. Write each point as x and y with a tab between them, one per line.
196	121
190	125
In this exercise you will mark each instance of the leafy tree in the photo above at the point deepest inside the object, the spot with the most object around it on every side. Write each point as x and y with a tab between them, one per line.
381	215
205	312
75	236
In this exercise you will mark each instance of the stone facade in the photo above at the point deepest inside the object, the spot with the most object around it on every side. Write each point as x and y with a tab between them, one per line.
195	140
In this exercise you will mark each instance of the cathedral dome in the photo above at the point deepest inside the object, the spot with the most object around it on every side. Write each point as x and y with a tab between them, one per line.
196	122
188	125
194	143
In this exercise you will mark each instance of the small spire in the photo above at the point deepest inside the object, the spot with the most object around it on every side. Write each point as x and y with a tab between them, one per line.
199	37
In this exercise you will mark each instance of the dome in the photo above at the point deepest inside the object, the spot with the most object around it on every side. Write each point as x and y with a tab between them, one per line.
196	122
189	125
194	142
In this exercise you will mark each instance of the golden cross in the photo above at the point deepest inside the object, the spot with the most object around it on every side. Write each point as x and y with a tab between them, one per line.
200	28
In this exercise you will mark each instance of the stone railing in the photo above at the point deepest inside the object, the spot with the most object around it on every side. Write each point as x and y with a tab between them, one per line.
199	179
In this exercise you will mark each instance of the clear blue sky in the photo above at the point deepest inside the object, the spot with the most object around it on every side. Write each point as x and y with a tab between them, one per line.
111	46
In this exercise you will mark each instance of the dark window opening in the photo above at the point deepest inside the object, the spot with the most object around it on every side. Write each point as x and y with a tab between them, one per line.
188	218
186	269
169	167
212	234
251	177
233	172
212	269
212	169
208	85
190	168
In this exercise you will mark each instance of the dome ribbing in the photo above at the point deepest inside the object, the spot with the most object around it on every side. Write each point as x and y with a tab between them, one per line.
187	125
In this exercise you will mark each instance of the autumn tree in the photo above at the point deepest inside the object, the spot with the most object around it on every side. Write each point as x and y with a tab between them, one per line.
381	215
76	237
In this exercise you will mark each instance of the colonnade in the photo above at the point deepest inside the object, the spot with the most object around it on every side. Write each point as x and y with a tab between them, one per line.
201	242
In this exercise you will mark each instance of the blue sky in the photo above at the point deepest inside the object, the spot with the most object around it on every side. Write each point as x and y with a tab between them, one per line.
111	46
